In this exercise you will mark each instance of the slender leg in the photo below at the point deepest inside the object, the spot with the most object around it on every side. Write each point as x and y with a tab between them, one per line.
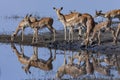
54	55
69	33
117	32
99	40
36	35
33	36
35	54
80	33
22	49
93	36
50	27
65	31
22	34
72	34
65	61
114	36
54	34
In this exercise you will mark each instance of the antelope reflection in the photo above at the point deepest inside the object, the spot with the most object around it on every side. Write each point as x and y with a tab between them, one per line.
92	63
33	61
70	68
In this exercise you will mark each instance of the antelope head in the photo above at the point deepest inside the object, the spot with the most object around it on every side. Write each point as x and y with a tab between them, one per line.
25	21
58	11
98	13
22	25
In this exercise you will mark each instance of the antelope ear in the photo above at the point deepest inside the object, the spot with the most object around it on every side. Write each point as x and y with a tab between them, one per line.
54	8
61	8
100	11
26	16
30	15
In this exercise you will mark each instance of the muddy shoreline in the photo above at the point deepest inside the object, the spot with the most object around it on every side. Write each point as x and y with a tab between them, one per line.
45	40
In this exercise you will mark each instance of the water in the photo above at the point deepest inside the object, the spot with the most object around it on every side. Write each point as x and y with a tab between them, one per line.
11	67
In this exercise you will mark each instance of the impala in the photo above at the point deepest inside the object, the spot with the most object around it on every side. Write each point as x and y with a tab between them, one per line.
110	14
45	22
103	25
33	61
67	20
85	20
21	26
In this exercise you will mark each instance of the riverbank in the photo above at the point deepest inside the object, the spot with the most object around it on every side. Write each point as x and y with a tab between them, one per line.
45	40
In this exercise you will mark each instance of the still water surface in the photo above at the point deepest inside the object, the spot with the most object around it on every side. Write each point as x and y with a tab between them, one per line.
11	67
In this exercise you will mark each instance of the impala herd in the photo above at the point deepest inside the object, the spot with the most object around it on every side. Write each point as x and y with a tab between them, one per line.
71	21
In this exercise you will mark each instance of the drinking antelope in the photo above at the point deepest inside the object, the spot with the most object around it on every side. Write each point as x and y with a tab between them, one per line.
34	61
103	25
109	15
21	26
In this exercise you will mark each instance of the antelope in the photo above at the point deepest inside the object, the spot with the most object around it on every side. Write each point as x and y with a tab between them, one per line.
72	70
21	26
88	23
45	22
103	25
109	15
34	61
78	19
69	20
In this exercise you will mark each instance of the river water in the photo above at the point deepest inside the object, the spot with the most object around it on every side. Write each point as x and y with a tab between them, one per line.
11	65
